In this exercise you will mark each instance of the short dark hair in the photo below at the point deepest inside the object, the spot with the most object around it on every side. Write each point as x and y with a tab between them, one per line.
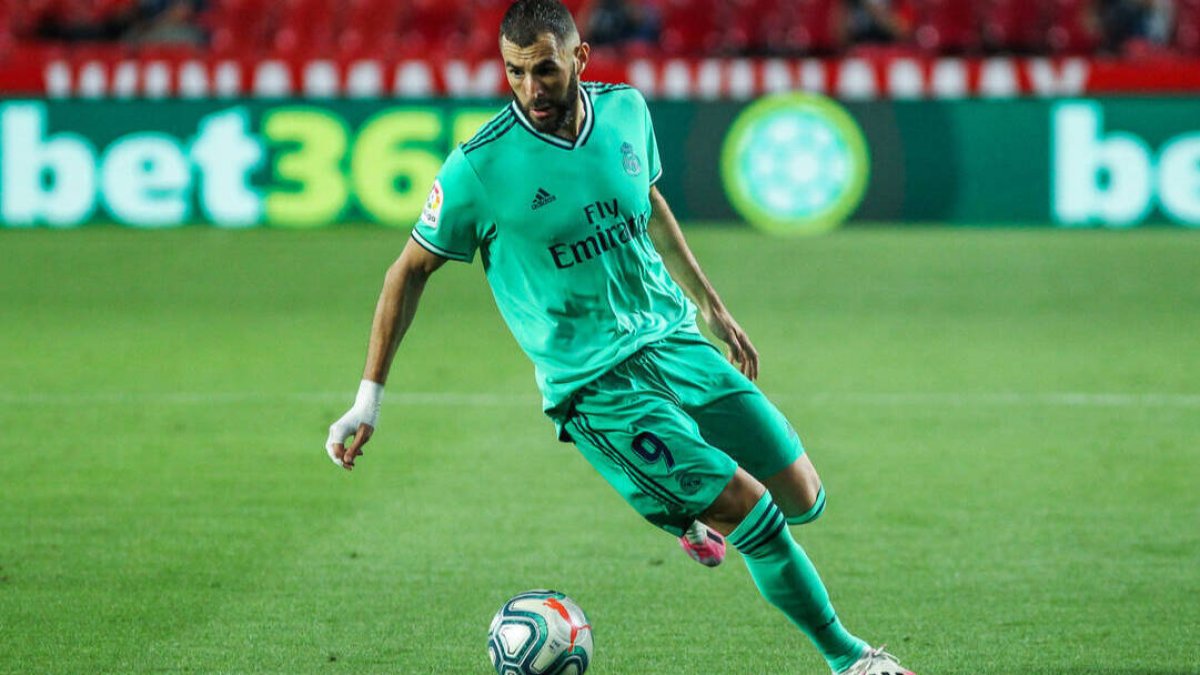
527	20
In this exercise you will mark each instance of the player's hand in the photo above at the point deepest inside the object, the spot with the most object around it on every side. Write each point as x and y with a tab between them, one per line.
740	350
358	422
348	425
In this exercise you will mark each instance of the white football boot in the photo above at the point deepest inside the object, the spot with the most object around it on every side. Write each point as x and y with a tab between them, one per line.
876	662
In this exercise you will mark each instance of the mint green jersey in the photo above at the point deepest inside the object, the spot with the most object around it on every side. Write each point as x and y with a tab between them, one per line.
561	228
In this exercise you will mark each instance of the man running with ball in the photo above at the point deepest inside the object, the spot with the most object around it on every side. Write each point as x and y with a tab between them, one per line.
594	279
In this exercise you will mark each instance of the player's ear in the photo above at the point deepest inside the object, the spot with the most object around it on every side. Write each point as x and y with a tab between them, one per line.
582	52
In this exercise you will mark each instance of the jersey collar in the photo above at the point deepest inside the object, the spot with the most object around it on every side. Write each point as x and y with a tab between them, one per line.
558	141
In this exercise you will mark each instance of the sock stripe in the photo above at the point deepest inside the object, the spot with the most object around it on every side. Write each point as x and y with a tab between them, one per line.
820	509
765	529
777	526
765	522
812	514
787	579
763	509
765	532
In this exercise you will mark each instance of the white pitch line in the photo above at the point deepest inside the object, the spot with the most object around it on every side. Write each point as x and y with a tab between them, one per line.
527	400
1068	399
228	397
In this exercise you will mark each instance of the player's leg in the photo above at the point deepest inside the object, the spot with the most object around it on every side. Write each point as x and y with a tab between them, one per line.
734	415
651	451
754	524
760	439
798	491
646	447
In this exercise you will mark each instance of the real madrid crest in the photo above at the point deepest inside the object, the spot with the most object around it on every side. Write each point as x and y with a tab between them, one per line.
629	159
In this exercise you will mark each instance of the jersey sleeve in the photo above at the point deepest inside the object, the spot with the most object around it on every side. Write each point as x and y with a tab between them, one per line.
451	222
651	146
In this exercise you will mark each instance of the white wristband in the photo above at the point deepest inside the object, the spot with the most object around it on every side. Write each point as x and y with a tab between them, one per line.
369	400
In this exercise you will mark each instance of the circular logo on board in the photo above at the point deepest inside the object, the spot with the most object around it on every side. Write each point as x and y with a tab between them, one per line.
795	164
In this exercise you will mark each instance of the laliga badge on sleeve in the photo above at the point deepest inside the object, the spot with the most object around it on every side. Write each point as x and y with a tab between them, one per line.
433	206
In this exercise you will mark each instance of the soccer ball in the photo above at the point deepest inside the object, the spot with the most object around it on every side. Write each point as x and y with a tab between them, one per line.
540	633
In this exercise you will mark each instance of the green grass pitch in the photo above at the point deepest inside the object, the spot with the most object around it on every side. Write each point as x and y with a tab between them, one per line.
1007	423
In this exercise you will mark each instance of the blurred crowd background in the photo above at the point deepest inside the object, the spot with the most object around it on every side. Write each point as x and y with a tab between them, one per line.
619	28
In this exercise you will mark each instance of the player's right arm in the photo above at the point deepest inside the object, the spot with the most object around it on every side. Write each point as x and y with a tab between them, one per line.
402	288
448	229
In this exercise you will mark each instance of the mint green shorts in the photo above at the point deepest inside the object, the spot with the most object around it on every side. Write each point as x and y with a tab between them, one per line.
668	426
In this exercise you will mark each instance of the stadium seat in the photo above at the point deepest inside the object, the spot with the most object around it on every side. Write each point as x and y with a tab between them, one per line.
812	27
946	26
466	29
369	28
304	27
484	19
437	20
690	28
744	25
1072	26
8	39
110	9
1012	25
238	26
1187	26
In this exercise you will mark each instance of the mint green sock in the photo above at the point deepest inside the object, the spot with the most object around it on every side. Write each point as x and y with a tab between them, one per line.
787	579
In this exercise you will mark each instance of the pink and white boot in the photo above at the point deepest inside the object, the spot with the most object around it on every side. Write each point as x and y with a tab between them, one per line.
703	544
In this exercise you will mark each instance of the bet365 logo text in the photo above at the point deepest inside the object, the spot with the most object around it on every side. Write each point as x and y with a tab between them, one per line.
1115	178
301	166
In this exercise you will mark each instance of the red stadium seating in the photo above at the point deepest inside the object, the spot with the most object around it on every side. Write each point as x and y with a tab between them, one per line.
1072	26
370	28
7	29
690	27
238	26
1187	26
466	29
739	29
813	27
304	27
946	26
1012	25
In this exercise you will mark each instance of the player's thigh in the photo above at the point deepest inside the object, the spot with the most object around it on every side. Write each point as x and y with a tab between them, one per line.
732	413
752	431
757	435
652	453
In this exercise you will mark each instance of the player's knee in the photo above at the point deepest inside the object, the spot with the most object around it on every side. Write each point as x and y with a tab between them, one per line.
797	490
814	510
734	503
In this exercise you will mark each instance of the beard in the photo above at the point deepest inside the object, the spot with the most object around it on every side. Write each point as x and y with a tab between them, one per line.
562	110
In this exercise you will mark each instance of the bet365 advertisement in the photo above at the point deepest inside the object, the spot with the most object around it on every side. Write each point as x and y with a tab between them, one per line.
788	164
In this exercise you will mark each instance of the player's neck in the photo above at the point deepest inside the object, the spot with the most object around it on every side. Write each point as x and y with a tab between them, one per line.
571	131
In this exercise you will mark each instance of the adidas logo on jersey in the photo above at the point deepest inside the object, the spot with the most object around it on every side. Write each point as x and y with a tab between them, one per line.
541	199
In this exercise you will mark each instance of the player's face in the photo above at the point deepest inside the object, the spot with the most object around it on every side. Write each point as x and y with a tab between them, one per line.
544	77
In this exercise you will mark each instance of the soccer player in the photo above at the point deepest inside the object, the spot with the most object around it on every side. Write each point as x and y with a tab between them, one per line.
592	275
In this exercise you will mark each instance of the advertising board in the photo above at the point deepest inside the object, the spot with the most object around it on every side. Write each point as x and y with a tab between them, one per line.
1067	162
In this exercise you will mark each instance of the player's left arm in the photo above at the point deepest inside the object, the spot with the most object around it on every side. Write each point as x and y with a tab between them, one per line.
685	270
